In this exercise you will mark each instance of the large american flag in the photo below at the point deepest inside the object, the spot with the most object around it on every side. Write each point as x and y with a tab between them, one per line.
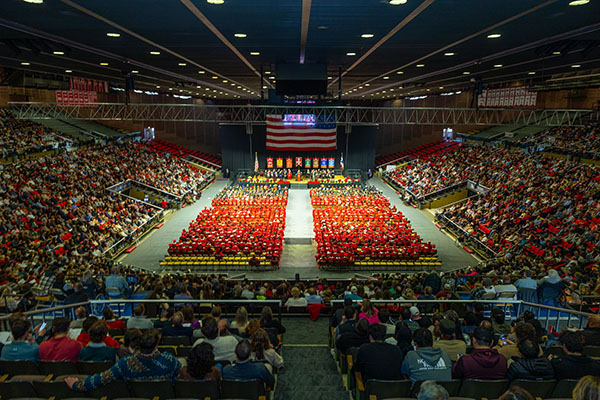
295	136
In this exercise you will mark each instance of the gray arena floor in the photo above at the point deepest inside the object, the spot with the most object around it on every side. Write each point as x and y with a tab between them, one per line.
298	252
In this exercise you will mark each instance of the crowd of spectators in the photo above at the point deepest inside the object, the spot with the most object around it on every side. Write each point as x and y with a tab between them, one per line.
578	142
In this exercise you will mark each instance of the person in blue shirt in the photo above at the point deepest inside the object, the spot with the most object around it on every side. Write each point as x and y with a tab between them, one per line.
245	369
117	281
353	295
23	346
526	282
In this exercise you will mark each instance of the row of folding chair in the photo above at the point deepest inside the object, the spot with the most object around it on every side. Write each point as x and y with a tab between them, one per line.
156	390
56	368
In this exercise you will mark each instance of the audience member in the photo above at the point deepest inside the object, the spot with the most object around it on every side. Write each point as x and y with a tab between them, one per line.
426	362
354	338
201	364
223	346
245	369
573	365
430	390
529	364
588	388
131	343
139	320
377	359
483	362
262	349
23	346
176	328
454	347
96	349
60	347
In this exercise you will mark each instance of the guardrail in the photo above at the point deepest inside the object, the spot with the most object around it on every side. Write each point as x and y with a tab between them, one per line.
125	242
396	161
476	243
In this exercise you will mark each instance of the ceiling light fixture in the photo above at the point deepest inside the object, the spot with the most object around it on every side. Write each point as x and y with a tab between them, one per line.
104	64
113	34
448	54
68	71
578	2
367	35
420	65
215	1
182	64
34	1
556	53
240	35
135	71
494	36
255	53
225	81
215	77
386	77
58	53
201	72
350	54
497	65
330	77
531	73
367	84
466	73
397	2
575	66
155	53
399	72
25	63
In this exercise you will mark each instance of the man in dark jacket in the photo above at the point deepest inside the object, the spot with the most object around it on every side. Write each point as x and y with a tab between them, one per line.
426	362
355	338
377	359
530	366
574	365
348	322
483	362
591	333
176	328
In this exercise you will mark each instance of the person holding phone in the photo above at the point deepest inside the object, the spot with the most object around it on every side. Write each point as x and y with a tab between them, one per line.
23	347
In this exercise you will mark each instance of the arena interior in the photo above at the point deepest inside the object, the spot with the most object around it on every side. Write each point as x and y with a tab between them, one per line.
308	199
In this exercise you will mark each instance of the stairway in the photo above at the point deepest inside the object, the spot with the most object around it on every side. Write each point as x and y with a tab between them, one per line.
309	373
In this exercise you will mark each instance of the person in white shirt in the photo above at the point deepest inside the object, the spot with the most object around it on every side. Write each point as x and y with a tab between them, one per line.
223	346
296	300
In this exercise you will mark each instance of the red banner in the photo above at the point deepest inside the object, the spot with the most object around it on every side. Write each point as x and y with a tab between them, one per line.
298	161
89	85
76	97
269	162
288	162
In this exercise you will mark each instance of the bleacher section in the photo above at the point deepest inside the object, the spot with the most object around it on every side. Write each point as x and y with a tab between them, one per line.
87	125
209	161
422	151
62	127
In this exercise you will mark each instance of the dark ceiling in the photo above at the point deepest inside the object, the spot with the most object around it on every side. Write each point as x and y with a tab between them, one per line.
538	40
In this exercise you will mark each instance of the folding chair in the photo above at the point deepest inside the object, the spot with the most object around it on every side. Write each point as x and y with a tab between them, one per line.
564	389
478	389
152	389
247	390
539	389
379	390
205	390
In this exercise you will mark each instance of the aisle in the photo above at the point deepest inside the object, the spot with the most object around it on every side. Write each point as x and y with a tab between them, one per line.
153	248
299	219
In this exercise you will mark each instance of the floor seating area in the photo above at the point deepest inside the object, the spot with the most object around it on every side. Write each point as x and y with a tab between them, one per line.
358	226
422	151
244	226
180	151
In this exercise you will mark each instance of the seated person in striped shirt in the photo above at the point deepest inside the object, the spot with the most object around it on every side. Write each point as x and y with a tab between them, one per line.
149	364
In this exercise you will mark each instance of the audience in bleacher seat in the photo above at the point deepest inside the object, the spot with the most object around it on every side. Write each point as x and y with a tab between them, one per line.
587	388
522	331
176	328
355	337
591	333
245	369
574	364
131	343
111	320
426	362
200	364
483	362
377	359
430	390
139	319
60	347
84	337
149	364
23	346
262	349
223	345
453	346
268	322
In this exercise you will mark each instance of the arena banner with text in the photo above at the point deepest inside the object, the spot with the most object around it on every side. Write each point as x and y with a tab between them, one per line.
323	163
279	162
269	162
315	162
299	162
76	97
331	162
307	162
288	162
507	97
90	85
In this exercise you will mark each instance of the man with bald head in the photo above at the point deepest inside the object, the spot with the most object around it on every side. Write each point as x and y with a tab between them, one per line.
591	333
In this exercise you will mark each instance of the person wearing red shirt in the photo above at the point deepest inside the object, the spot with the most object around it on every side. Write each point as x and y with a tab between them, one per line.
109	317
60	347
84	337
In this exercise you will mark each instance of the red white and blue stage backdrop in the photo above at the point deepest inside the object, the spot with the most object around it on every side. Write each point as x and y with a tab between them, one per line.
300	132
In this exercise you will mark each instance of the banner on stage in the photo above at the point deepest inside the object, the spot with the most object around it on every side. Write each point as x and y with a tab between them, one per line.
269	162
315	163
307	162
331	162
323	163
279	162
299	162
288	162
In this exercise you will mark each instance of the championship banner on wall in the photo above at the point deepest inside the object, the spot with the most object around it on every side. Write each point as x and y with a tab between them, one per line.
331	162
279	162
307	162
288	162
299	162
76	97
77	83
269	162
323	163
507	97
315	162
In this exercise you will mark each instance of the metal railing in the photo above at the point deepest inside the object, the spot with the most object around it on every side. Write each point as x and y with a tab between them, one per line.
126	242
474	242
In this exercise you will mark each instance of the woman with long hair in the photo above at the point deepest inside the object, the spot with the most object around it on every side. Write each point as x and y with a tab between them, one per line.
368	312
267	320
201	364
241	319
262	349
588	388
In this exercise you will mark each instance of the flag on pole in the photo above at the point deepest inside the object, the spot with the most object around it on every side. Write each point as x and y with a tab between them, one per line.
342	161
255	162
